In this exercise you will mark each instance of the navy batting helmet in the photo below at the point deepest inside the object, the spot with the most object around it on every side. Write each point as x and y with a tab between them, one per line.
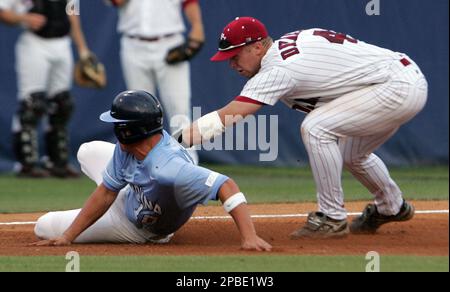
136	115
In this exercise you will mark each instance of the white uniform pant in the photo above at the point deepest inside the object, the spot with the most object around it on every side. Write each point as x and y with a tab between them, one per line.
43	65
145	68
114	225
346	131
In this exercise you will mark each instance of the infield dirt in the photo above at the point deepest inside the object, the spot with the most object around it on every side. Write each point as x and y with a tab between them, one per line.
425	234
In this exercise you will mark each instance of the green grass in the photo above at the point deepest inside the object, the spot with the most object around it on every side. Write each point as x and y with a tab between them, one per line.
297	184
31	195
266	263
260	185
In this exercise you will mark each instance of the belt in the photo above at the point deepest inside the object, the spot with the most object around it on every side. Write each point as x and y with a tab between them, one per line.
145	39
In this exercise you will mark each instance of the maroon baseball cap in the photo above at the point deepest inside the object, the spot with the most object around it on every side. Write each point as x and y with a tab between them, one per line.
237	34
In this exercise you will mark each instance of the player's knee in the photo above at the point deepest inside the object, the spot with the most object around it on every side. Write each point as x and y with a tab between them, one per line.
83	152
309	128
317	133
43	228
93	150
356	162
351	163
32	109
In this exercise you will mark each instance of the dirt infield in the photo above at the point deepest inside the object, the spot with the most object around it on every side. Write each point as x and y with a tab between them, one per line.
426	234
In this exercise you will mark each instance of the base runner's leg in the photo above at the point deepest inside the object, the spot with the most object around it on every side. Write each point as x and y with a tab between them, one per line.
94	157
114	225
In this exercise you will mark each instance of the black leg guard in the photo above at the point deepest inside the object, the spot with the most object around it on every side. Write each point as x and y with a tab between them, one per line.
25	145
57	139
57	146
25	141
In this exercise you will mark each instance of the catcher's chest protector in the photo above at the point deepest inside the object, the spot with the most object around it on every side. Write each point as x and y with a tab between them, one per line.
58	24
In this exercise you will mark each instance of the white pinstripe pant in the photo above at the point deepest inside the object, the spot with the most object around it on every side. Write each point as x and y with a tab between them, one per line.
345	132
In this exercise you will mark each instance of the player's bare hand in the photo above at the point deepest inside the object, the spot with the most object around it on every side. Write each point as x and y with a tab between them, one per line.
34	21
59	241
256	244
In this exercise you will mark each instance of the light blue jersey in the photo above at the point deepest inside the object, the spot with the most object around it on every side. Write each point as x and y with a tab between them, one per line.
164	188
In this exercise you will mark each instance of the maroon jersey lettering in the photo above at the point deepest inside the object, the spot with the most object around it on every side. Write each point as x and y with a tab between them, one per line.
334	37
288	45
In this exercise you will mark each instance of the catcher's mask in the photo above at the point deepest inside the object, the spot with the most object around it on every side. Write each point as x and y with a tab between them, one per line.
136	115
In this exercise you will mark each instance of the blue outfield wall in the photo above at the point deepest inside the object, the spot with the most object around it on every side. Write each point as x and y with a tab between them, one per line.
416	27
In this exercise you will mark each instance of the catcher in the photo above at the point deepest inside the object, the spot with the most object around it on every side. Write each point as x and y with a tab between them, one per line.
155	54
148	186
44	74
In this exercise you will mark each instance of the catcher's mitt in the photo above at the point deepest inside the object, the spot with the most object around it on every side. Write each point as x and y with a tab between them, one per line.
184	52
90	73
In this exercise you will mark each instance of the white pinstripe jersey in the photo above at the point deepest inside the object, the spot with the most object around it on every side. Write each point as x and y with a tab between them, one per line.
310	67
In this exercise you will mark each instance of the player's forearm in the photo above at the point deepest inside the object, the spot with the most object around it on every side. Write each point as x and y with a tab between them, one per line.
94	208
240	213
194	16
243	221
78	36
214	124
207	127
11	18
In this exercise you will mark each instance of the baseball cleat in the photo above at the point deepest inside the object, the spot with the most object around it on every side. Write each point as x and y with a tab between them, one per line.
318	225
67	171
371	220
33	172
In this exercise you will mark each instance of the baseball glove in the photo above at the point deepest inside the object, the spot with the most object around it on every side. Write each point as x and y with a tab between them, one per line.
184	52
90	73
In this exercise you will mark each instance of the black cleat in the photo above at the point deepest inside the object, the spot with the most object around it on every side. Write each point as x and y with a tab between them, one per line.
371	220
67	171
33	172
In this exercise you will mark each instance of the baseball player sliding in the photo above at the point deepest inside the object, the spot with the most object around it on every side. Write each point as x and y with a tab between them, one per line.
155	54
147	185
355	95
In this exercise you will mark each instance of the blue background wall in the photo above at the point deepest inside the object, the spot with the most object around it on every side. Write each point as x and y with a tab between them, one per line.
416	27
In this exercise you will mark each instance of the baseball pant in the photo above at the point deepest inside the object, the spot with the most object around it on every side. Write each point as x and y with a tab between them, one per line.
114	225
145	68
43	65
346	131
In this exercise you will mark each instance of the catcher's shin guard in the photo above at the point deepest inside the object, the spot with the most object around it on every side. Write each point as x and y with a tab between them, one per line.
25	144
57	147
60	109
25	141
56	138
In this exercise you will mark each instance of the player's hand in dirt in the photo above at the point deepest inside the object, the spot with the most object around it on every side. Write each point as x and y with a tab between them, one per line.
256	244
59	241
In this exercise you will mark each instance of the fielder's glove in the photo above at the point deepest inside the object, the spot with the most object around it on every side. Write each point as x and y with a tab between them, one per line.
90	73
184	52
